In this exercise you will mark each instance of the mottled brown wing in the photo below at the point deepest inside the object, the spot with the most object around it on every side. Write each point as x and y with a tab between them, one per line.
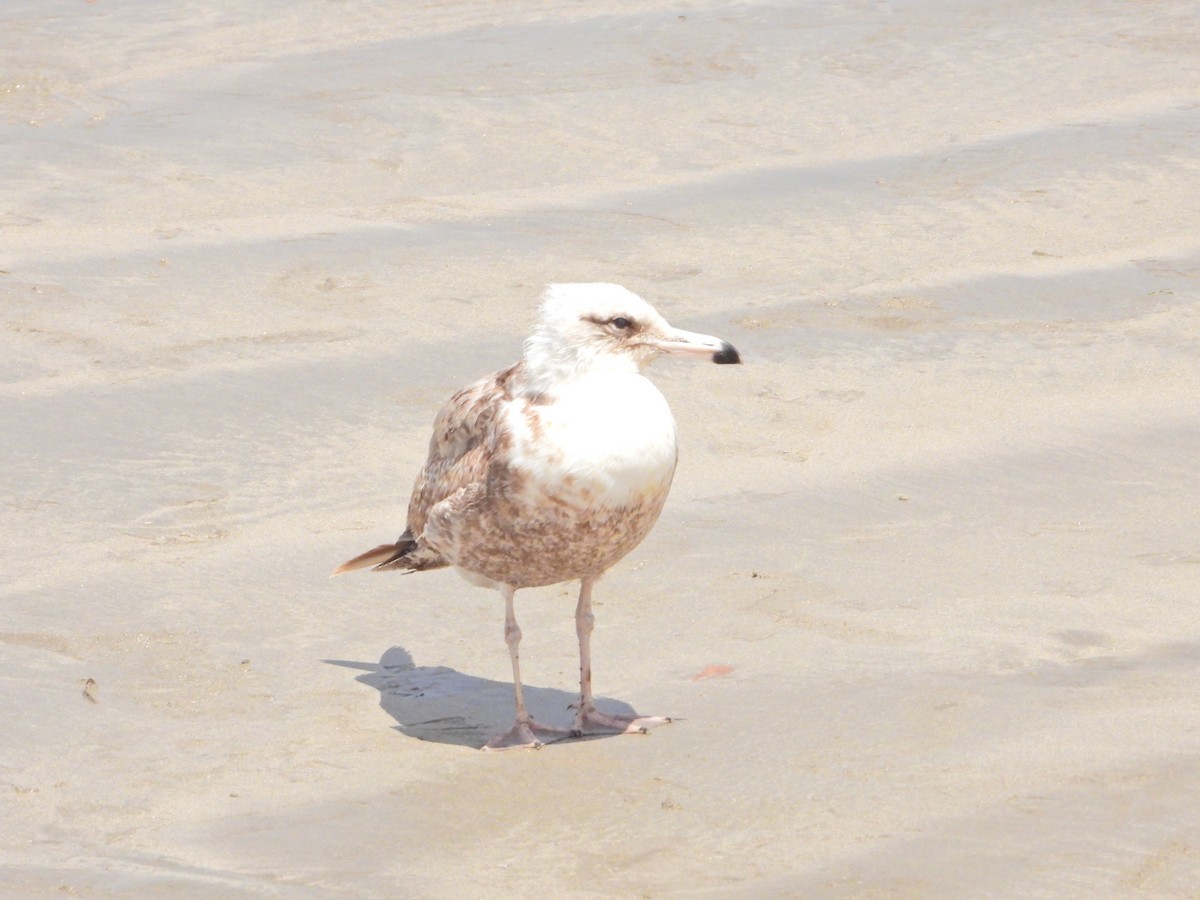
462	444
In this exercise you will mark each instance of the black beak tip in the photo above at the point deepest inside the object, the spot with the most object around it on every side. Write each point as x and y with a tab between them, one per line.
727	355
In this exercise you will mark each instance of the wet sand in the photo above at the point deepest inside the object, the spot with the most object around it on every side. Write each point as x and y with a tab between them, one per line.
923	598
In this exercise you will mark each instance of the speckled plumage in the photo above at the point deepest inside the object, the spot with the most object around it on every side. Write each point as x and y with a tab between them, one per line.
555	468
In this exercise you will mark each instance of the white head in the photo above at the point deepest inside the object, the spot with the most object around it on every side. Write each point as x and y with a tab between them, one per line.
586	329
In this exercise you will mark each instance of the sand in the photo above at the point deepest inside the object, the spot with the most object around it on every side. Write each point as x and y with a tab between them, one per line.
933	549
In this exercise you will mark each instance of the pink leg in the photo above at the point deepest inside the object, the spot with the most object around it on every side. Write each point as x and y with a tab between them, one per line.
522	734
587	718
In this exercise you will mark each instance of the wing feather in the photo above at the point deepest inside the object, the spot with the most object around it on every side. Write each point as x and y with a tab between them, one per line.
462	445
465	436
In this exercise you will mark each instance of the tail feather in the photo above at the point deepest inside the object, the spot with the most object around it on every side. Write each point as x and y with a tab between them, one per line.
415	558
380	556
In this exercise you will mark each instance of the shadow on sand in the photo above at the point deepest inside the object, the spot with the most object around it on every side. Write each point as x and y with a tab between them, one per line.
440	704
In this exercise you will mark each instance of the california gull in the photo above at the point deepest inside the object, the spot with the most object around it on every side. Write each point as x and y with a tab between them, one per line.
552	470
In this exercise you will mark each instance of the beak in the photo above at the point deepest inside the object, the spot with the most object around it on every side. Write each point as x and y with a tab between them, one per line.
698	346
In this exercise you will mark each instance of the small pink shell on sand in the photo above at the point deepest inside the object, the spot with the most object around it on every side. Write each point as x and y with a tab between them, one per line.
712	671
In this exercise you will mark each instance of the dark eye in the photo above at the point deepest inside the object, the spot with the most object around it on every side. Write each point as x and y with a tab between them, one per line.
620	322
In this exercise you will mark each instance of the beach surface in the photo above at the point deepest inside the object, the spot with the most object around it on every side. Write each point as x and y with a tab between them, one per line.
925	599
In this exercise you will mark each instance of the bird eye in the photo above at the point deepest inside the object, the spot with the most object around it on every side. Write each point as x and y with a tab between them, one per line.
620	322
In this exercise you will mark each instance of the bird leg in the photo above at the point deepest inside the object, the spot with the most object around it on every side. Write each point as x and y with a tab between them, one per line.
588	719
522	734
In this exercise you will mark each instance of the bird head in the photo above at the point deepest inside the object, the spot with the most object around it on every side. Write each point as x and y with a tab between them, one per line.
594	328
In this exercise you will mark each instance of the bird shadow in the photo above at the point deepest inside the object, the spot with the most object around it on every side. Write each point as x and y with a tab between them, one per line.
443	705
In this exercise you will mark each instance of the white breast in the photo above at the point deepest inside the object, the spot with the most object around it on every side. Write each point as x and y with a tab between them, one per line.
611	435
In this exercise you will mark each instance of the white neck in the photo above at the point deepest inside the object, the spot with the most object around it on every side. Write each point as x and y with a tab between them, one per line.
551	365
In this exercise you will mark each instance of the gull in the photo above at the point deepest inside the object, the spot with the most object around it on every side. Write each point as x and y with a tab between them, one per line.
552	470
